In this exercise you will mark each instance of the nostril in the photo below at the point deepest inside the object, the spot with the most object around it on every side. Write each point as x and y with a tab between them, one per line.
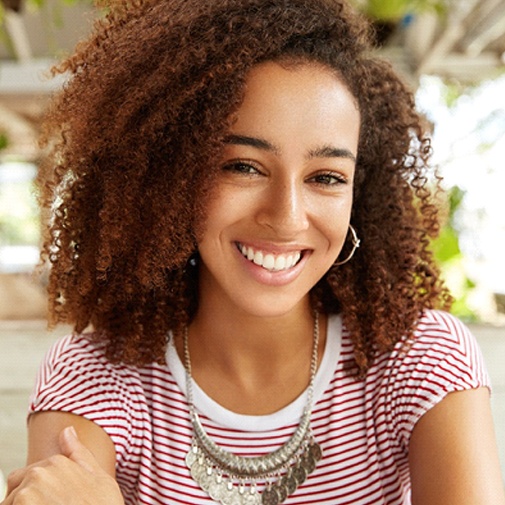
287	216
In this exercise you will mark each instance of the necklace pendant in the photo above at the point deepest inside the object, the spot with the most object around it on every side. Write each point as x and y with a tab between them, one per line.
270	496
231	496
216	489
282	490
220	492
202	475
197	471
308	463
315	451
236	495
299	474
289	483
191	456
249	498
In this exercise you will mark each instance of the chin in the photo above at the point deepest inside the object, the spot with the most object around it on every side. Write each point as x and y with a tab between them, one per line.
274	307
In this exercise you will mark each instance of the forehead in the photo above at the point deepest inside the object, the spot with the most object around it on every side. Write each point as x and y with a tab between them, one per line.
317	87
303	102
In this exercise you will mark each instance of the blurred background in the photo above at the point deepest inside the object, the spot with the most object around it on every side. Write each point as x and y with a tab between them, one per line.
452	53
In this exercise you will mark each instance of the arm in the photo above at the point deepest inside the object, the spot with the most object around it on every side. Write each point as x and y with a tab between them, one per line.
44	429
70	461
453	455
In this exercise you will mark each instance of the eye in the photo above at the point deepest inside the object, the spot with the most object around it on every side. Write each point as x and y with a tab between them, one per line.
328	179
241	167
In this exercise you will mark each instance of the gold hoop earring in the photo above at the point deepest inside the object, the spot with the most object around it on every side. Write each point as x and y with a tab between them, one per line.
355	244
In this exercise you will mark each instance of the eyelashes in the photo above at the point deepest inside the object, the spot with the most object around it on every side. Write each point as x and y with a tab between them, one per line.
329	179
242	167
325	178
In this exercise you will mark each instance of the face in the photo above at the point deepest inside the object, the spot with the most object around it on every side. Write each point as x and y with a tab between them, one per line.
280	211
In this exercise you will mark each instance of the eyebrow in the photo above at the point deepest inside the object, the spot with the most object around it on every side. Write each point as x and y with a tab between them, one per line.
319	152
243	140
331	152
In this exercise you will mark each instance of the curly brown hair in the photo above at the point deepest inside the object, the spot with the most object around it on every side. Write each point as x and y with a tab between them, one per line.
133	140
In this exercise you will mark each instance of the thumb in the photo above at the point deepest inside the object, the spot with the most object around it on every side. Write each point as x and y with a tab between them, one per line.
72	448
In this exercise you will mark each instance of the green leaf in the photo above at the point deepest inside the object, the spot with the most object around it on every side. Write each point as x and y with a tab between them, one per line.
456	196
4	141
461	309
395	10
392	10
446	246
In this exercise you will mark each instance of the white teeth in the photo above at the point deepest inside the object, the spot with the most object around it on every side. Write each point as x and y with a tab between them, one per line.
290	261
269	261
280	263
258	258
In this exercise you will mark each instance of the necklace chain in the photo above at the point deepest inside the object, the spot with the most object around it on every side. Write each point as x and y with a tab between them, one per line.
231	479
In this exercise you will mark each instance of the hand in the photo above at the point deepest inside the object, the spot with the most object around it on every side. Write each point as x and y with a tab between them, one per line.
73	477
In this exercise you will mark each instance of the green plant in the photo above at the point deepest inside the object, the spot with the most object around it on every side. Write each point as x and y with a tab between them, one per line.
395	10
4	140
447	251
18	5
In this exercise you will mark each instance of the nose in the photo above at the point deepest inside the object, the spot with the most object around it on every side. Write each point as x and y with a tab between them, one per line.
284	209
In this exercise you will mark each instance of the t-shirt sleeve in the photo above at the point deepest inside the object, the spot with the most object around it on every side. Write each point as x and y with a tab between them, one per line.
443	357
75	377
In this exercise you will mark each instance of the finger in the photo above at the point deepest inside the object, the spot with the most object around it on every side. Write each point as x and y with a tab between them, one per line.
72	448
14	479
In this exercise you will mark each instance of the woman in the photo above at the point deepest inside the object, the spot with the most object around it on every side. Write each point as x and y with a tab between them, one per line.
242	209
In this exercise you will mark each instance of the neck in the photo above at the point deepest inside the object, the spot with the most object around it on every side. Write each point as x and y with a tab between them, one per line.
251	364
241	339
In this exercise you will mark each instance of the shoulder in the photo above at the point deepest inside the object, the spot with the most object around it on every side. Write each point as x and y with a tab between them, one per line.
74	357
76	373
444	328
441	349
442	357
77	378
442	340
75	348
82	352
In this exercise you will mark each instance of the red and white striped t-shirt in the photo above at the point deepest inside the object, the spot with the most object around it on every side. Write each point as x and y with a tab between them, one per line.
363	426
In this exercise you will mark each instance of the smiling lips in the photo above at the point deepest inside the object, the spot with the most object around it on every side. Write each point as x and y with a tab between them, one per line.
269	261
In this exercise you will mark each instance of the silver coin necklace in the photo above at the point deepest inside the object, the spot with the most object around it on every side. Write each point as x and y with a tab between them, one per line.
230	479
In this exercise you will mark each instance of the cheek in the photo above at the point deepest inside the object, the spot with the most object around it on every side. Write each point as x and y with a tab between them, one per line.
211	210
227	205
218	218
338	241
336	227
